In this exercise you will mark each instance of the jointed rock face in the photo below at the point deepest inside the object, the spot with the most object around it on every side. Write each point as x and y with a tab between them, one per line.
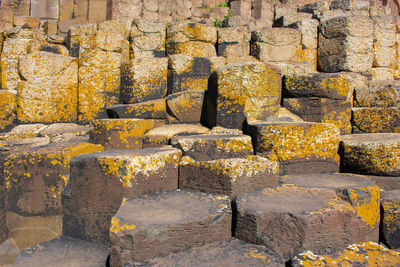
199	133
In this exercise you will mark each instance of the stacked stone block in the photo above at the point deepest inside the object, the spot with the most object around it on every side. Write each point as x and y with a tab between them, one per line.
346	44
376	108
148	38
232	42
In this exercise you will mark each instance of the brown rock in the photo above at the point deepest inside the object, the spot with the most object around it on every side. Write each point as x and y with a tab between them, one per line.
8	252
99	182
152	109
390	201
192	219
185	107
287	220
121	133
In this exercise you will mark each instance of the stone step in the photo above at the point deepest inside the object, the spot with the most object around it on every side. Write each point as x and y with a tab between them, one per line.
157	224
374	154
162	135
363	254
291	219
232	252
228	176
212	146
64	251
121	133
99	182
358	190
375	119
300	147
152	109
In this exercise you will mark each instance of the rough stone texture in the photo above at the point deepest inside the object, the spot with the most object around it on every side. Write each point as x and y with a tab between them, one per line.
187	73
121	133
19	8
162	135
177	220
365	254
26	22
358	190
377	95
228	176
48	9
231	252
345	44
386	183
242	91
185	107
64	251
34	178
205	147
143	80
181	32
375	120
324	85
337	112
123	9
8	105
152	109
8	252
48	92
295	68
275	44
148	38
288	219
232	42
375	154
390	201
99	182
81	38
299	147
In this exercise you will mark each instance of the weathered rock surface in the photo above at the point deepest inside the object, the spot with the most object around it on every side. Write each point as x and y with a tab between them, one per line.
99	182
298	146
185	107
375	154
152	109
288	219
171	221
230	252
390	201
64	251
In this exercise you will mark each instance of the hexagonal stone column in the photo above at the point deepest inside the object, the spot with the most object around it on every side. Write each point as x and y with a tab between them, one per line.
292	219
242	91
376	154
358	190
303	147
390	201
232	252
158	224
205	147
228	176
364	254
121	133
99	182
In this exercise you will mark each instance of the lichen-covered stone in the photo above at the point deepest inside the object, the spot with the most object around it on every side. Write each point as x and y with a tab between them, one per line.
192	48
143	80
48	92
152	109
183	32
81	38
333	86
185	107
275	44
375	153
242	91
337	112
121	133
228	176
375	120
225	253
288	219
358	190
188	73
377	95
390	201
35	177
8	107
193	219
162	135
112	36
99	82
148	38
363	254
99	182
205	147
299	147
63	251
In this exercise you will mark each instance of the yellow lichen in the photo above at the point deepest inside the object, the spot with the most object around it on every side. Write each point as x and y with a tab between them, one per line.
117	228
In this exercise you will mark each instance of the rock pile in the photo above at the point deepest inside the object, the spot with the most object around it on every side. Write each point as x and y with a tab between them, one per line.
268	139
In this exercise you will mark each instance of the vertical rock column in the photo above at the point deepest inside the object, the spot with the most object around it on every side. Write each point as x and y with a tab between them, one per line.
99	69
